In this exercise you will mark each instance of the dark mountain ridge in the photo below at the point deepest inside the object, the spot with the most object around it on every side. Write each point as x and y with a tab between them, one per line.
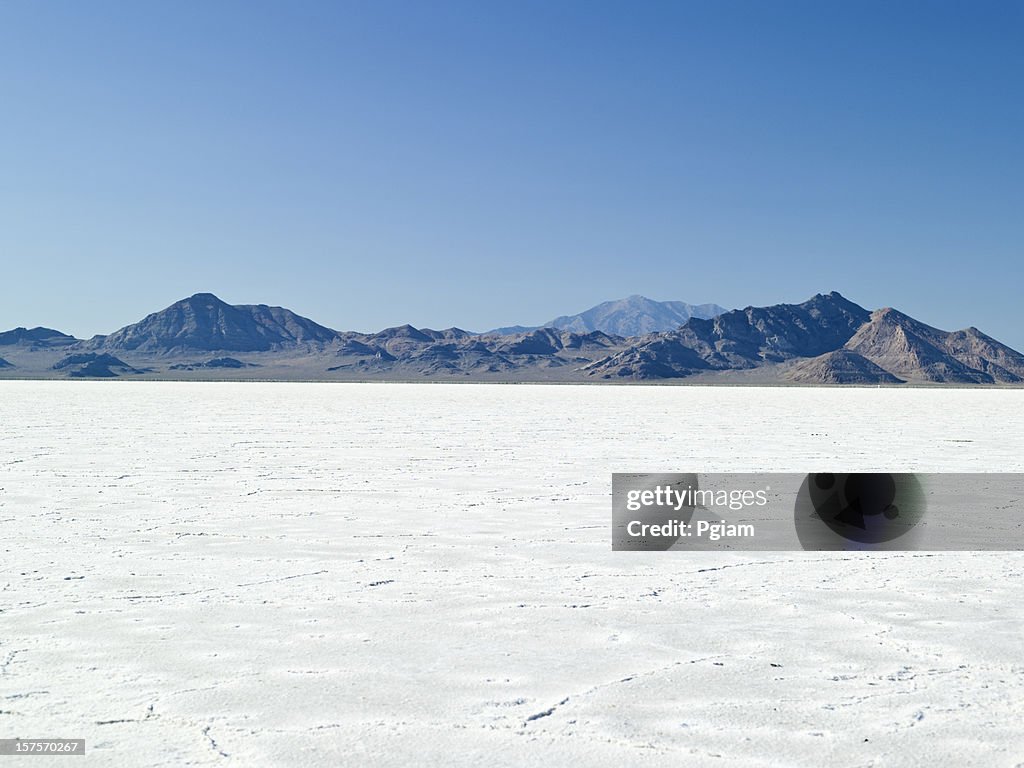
94	365
834	340
204	323
36	337
412	352
740	339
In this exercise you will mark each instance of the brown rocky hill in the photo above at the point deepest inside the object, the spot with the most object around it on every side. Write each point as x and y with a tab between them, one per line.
840	367
913	350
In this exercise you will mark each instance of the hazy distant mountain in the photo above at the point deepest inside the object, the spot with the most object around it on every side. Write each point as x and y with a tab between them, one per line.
36	337
632	316
205	323
635	316
511	330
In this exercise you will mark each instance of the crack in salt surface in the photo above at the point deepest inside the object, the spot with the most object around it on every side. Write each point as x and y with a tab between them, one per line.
9	659
551	710
873	555
213	743
219	589
547	712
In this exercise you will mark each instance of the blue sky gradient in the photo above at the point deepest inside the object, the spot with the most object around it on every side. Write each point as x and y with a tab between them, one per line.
484	164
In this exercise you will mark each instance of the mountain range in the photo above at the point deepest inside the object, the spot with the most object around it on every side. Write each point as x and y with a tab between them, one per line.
824	340
827	339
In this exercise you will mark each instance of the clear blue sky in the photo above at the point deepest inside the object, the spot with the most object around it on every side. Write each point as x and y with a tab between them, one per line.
482	164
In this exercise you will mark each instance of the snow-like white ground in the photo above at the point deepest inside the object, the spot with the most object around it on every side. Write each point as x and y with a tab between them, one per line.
320	575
